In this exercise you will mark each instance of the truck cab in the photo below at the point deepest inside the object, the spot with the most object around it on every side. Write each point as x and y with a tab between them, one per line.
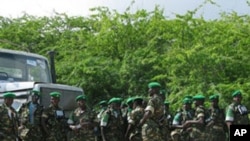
21	72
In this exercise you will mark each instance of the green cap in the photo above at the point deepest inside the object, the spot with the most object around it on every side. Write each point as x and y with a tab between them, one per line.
237	93
188	96
115	100
166	103
131	99
103	102
9	95
154	85
199	97
138	99
35	92
187	101
214	97
163	92
55	94
80	97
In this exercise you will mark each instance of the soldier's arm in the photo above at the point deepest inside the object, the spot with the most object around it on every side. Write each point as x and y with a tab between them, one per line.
146	116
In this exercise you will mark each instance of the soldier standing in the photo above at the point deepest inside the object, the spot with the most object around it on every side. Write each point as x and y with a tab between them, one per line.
150	123
9	119
215	125
82	121
133	132
181	131
112	122
30	119
236	112
53	120
198	123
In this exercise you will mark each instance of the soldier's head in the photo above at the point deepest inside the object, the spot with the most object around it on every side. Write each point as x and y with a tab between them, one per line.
35	95
9	98
214	100
55	98
198	99
237	96
115	103
187	103
137	101
154	88
103	104
81	101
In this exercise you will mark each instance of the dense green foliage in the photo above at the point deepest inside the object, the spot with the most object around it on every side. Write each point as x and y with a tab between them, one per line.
112	54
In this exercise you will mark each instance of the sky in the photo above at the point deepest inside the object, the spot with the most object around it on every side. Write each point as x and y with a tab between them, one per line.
16	8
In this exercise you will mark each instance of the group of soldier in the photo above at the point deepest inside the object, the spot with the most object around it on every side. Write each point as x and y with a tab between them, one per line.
135	119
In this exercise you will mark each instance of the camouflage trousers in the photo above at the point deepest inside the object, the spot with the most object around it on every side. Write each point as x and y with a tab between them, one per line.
56	136
197	134
8	138
180	135
135	137
32	133
151	131
215	133
83	135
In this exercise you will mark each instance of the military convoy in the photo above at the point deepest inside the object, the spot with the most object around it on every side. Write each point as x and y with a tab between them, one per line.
21	72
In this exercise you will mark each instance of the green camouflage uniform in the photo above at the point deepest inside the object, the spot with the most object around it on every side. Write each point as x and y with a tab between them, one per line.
180	118
112	122
198	130
32	130
135	117
55	125
85	133
151	128
8	123
217	130
233	114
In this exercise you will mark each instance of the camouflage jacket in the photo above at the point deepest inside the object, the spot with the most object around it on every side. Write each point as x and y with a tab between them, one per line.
24	114
8	122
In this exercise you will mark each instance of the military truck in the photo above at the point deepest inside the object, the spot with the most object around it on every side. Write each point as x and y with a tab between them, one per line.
21	72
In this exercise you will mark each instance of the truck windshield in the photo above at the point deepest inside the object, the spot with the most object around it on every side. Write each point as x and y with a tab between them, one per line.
20	67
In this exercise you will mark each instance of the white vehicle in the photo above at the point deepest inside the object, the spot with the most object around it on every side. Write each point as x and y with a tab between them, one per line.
21	72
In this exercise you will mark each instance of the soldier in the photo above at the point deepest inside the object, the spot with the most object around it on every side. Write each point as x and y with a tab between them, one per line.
30	119
133	132
153	113
112	122
103	105
215	125
9	119
82	121
167	123
198	123
181	131
236	112
53	120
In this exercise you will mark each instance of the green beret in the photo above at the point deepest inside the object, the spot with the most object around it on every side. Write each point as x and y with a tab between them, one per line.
166	103
131	99
103	102
214	97
138	99
35	92
187	101
9	95
55	94
114	100
199	97
188	96
80	97
237	93
154	85
163	92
